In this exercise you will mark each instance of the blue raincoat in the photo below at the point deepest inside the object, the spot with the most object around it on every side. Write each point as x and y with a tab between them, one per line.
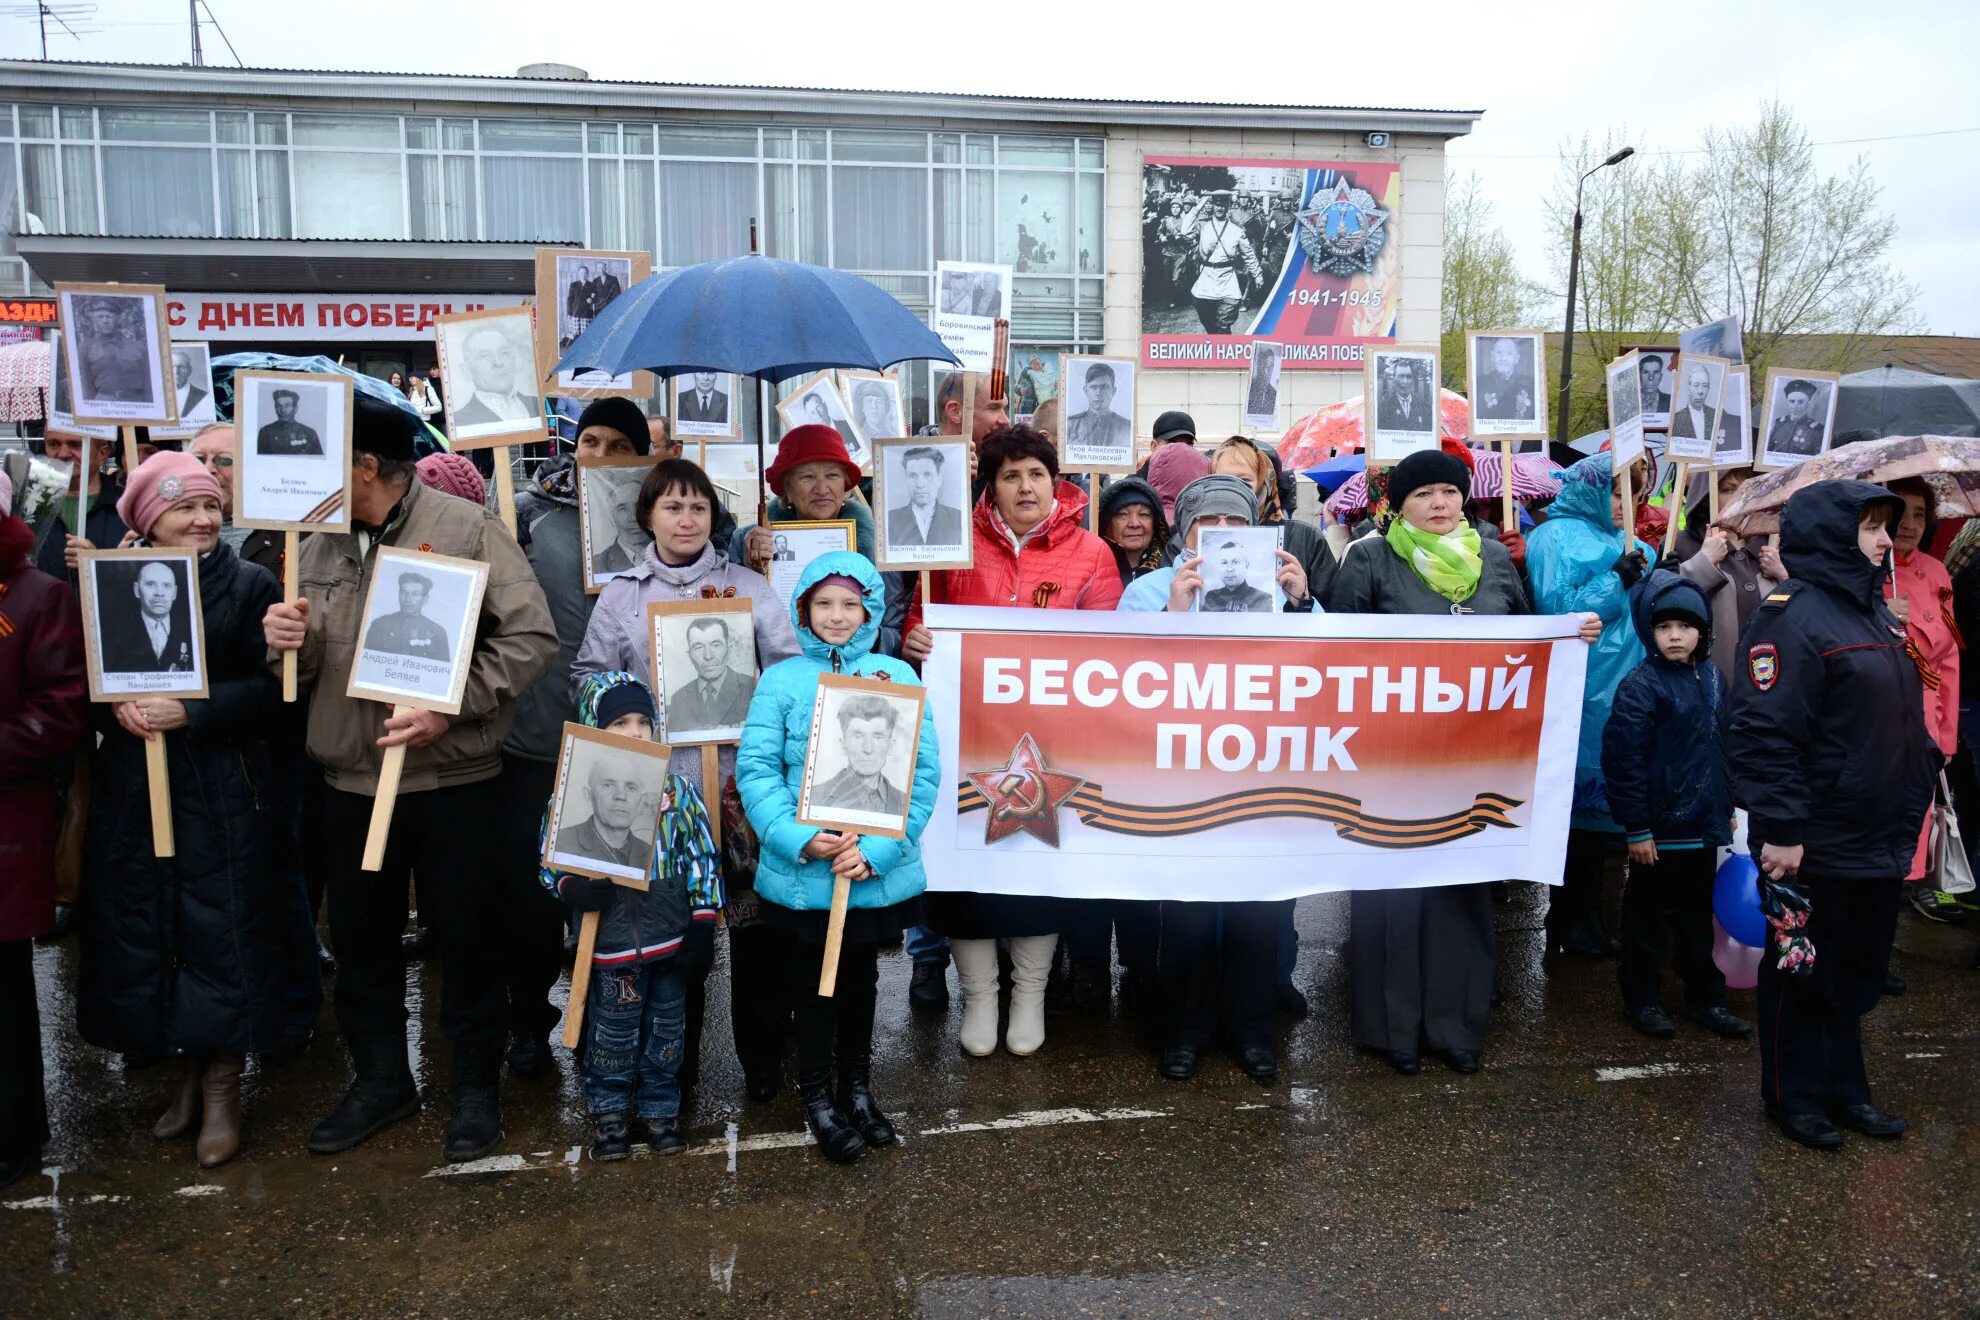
770	759
1568	561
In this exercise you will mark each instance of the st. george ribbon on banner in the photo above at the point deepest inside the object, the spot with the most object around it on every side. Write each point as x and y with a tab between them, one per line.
1234	757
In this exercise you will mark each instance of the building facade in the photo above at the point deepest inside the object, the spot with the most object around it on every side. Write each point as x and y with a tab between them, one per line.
308	211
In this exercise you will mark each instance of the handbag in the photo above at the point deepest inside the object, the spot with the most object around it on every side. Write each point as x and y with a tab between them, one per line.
1951	871
739	855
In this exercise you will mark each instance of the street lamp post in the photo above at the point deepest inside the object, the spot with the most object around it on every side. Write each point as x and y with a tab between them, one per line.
1574	275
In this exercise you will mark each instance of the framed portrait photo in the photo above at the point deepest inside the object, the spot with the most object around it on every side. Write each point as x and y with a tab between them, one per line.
1507	384
1734	447
192	392
572	288
703	405
1034	379
605	807
796	544
1720	338
608	516
488	378
970	297
61	399
1260	404
1096	417
874	400
292	462
1399	413
859	768
921	503
143	633
1656	382
818	402
1694	433
116	340
1799	417
1240	568
704	667
416	631
1623	383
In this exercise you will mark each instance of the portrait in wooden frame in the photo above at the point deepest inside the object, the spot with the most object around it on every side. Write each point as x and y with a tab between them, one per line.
118	345
859	764
487	370
1734	448
573	285
1682	441
796	544
873	403
610	537
716	419
704	669
937	473
1398	417
818	402
604	781
1508	401
143	628
1097	412
293	473
416	631
1788	436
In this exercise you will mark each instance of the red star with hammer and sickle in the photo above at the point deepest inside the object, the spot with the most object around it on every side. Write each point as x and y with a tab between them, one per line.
1025	795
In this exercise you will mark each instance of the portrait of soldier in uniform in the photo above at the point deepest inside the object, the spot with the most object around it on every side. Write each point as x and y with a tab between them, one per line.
1799	424
408	631
1101	432
286	436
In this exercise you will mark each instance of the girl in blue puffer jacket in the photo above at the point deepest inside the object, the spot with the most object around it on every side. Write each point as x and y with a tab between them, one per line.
837	610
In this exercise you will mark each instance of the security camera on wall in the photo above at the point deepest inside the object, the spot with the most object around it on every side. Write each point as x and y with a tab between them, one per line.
1378	141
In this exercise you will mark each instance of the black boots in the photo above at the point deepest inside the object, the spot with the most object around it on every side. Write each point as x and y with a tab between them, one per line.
475	1124
830	1128
856	1102
382	1093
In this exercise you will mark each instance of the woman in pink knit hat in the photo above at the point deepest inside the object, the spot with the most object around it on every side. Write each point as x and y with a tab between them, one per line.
183	958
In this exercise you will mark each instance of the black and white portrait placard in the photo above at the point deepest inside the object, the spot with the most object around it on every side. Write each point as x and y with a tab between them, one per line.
1097	416
1656	384
142	627
704	406
859	767
292	469
874	401
1720	338
61	398
488	378
608	516
795	544
1261	386
572	288
1506	383
1240	568
119	365
1735	442
192	392
921	501
1624	383
605	808
704	667
1402	384
818	402
1800	417
969	299
1694	432
416	632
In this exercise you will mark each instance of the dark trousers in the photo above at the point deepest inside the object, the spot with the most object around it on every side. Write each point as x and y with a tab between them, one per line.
841	1027
1811	1025
1421	966
531	920
760	958
23	1102
1578	901
1674	895
1101	924
445	835
697	959
1218	963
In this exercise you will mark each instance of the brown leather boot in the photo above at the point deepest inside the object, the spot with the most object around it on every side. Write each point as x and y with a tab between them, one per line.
183	1112
220	1126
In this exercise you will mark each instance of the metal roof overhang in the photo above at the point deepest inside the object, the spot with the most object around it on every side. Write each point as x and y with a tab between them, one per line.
281	265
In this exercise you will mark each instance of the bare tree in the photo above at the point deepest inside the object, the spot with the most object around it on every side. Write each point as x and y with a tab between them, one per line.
1483	288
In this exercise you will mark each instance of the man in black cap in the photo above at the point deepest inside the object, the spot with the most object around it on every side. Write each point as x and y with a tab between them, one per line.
1174	427
1800	432
447	793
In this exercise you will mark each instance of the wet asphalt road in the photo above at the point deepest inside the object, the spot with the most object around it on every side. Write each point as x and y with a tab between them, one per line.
1586	1171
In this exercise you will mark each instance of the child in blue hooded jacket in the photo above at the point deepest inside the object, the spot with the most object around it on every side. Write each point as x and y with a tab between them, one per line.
635	1015
1665	767
837	609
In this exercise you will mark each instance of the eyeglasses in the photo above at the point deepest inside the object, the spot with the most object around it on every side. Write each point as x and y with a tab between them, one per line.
218	460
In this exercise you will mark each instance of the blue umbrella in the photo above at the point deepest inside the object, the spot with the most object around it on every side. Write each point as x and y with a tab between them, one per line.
429	441
1331	475
757	316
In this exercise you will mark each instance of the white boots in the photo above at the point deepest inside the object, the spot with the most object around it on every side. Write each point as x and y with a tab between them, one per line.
976	969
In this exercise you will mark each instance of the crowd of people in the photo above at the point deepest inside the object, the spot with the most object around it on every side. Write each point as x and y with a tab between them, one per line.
1813	682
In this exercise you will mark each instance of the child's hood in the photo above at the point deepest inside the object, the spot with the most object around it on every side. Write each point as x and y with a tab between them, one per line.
873	594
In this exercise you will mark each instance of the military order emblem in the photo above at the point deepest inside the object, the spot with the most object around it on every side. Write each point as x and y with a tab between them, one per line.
1344	231
1763	665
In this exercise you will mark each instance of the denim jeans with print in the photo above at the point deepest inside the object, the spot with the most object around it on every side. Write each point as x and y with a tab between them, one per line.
635	1022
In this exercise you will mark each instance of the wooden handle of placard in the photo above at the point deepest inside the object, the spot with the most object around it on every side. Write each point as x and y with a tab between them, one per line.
711	790
926	599
580	980
1629	511
161	796
1711	497
1676	506
505	488
1511	523
129	434
291	592
383	801
835	934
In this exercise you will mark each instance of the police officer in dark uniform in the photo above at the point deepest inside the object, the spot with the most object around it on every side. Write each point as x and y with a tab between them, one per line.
285	435
1826	741
409	632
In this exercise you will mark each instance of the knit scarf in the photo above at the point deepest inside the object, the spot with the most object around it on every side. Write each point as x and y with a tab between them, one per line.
1450	564
685	850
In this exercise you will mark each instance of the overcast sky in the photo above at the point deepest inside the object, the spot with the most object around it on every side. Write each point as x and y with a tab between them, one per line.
1541	72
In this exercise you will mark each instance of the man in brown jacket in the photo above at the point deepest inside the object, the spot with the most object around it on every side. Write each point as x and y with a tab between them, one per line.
446	796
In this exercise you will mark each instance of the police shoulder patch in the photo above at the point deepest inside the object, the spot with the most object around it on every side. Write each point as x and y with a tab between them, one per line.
1763	665
1781	595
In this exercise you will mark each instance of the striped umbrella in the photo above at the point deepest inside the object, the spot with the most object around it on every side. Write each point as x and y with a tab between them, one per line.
1535	477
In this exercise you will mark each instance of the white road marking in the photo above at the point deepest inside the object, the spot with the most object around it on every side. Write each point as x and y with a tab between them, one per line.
1641	1072
200	1189
57	1202
1924	1054
1045	1118
491	1164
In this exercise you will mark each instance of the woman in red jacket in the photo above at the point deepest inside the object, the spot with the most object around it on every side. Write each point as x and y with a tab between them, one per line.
1032	550
1919	591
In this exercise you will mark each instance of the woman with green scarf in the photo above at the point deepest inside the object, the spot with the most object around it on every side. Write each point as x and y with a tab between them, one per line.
1422	958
